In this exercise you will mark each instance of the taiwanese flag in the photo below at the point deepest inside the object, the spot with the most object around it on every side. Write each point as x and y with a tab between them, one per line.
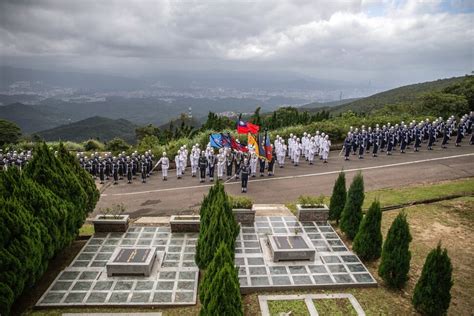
246	127
268	147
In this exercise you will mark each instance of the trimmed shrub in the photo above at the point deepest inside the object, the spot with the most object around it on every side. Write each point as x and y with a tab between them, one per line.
396	255
368	241
352	213
432	292
338	198
117	145
241	202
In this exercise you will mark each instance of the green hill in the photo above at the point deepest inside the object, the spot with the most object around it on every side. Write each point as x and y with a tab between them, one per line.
408	95
32	118
316	106
101	128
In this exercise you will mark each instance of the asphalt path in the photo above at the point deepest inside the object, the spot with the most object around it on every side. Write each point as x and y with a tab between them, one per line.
161	198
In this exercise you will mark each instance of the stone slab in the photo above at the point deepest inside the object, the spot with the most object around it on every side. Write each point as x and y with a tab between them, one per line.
271	210
153	221
131	261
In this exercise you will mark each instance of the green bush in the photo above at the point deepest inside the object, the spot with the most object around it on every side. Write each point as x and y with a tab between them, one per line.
9	132
338	198
352	213
93	145
368	241
432	292
241	202
117	145
307	201
396	256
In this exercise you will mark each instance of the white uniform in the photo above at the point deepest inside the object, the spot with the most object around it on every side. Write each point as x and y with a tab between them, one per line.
253	165
326	147
297	148
220	165
165	164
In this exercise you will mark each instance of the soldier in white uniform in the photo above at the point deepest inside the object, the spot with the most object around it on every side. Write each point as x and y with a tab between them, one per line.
165	164
220	164
297	152
326	147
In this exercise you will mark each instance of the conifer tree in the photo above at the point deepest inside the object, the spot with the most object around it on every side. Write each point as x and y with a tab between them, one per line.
221	256
224	294
432	292
396	255
352	212
338	198
368	241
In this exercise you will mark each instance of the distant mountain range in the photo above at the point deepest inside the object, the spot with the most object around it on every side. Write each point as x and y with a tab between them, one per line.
317	105
101	128
407	94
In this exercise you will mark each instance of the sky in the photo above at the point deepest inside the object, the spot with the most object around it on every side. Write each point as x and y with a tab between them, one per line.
383	42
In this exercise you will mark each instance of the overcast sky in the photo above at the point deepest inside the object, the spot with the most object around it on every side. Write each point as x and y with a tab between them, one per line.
387	42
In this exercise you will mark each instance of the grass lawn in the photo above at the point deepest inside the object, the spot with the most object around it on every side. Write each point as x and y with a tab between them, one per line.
86	230
297	307
411	193
335	307
451	221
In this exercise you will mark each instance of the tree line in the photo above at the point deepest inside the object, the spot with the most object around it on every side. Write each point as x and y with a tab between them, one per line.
432	291
41	211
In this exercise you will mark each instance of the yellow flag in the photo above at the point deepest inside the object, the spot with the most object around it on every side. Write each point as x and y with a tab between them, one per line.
251	141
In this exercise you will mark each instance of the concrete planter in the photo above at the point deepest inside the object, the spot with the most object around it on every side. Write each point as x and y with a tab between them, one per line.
110	223
312	214
244	215
185	223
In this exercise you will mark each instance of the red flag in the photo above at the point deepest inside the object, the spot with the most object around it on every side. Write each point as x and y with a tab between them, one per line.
237	146
246	127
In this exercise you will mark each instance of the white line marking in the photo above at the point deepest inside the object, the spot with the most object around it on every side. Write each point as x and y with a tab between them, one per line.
297	176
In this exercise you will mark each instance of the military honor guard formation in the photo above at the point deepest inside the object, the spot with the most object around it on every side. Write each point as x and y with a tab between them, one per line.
225	158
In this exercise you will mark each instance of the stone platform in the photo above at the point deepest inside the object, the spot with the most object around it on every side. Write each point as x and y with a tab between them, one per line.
172	281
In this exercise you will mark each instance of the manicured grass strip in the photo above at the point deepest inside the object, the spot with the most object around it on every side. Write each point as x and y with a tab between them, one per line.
415	193
412	193
297	307
335	307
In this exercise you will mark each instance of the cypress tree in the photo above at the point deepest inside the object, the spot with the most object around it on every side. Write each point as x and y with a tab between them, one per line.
432	292
221	256
352	212
224	294
338	198
217	224
368	241
396	255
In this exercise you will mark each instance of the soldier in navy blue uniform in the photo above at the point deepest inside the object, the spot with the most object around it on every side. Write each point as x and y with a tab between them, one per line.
403	139
460	133
202	163
418	136
229	161
347	146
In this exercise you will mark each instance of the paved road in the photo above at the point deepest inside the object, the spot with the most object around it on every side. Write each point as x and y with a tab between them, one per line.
158	198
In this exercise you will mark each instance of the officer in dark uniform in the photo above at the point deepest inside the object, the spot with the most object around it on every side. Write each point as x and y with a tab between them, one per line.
261	162
229	161
347	146
271	164
212	165
202	163
244	173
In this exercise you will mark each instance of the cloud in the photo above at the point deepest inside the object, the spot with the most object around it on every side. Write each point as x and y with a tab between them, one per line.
330	38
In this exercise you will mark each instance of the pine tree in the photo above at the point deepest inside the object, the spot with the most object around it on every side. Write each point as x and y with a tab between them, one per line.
224	294
352	212
338	198
432	292
368	241
396	255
